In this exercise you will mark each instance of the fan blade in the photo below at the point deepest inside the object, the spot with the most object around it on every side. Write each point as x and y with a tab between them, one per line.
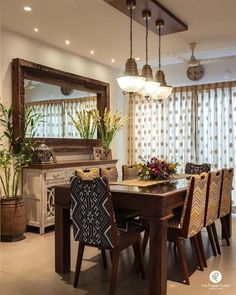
182	58
216	59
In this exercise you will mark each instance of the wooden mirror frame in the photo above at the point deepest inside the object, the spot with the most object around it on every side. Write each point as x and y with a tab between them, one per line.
23	69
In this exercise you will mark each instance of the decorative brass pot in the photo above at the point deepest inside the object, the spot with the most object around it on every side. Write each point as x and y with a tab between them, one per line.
13	221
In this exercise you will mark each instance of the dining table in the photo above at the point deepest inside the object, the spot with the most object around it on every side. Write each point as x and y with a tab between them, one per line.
154	202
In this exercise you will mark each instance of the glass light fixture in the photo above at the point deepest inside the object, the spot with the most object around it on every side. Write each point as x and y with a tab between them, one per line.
164	90
131	82
150	86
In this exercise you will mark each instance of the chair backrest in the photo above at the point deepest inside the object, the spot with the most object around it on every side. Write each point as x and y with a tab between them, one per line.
192	168
192	218
87	173
110	173
92	213
226	190
130	172
213	197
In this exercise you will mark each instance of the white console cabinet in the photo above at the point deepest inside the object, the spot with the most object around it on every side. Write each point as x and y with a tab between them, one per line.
38	188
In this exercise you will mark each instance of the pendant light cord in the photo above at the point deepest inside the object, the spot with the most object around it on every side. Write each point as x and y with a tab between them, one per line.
159	49
146	40
131	31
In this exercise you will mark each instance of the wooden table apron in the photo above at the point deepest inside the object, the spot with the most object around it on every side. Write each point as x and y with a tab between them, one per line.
157	209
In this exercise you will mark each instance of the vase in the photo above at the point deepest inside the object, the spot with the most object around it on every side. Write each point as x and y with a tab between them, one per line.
13	220
106	154
42	154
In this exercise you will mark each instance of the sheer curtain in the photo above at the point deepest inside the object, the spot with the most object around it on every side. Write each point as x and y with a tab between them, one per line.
196	123
57	122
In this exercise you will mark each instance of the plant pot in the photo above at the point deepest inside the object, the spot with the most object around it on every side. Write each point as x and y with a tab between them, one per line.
106	154
13	222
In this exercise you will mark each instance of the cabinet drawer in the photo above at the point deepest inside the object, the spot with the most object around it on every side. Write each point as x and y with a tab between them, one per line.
55	175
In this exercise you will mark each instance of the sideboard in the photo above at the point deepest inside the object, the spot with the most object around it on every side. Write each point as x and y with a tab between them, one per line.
38	188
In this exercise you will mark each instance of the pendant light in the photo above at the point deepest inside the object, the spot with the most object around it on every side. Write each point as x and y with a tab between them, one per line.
131	82
150	86
164	90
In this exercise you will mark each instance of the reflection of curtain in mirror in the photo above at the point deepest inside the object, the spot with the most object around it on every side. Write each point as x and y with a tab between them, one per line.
57	122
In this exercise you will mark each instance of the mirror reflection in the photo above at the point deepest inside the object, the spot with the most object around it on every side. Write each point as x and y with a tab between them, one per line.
57	104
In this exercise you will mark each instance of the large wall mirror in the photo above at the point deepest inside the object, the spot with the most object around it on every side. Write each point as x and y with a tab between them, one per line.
56	95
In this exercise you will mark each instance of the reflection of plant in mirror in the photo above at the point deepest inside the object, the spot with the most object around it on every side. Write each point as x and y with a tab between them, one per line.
15	155
108	125
85	124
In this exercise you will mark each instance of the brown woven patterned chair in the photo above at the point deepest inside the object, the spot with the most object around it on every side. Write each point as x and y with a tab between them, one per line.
212	207
130	172
191	222
94	225
225	199
110	173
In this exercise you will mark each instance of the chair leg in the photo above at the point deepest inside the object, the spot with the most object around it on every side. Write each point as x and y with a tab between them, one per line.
202	250
145	241
225	229
210	236
104	258
213	227
139	257
78	264
115	262
179	244
197	251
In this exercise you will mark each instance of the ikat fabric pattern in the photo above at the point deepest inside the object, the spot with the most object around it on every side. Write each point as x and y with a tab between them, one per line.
197	211
197	126
192	168
91	214
213	198
88	174
226	191
130	172
110	173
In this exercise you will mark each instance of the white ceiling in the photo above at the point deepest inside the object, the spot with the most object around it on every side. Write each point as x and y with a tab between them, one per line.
95	25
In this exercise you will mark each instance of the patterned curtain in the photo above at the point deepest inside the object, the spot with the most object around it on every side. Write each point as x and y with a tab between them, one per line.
195	124
57	122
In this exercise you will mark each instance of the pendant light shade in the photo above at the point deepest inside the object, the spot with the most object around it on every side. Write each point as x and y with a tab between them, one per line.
164	90
150	86
131	81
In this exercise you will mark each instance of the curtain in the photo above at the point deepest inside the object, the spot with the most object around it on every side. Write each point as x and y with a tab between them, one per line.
57	122
195	124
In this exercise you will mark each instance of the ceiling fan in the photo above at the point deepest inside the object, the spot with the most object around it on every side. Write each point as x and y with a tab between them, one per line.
193	61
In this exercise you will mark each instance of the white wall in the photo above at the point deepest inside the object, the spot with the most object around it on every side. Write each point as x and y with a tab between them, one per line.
18	46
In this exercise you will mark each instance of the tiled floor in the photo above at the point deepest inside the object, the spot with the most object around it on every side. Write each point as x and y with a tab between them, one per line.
27	268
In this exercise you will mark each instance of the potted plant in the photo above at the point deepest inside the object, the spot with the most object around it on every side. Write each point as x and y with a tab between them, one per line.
108	126
14	156
85	124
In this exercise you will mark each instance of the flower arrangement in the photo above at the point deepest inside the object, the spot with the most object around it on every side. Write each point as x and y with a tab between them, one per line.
85	124
108	125
157	169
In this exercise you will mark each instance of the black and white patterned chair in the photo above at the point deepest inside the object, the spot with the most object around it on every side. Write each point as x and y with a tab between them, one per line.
94	224
192	168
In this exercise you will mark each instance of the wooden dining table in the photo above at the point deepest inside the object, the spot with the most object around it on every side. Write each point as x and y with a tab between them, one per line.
155	204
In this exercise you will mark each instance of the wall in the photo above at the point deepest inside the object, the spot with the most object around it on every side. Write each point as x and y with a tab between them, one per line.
17	46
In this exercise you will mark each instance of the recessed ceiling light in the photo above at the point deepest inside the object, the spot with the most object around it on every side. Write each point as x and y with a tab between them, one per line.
36	30
91	52
27	8
112	60
137	58
67	42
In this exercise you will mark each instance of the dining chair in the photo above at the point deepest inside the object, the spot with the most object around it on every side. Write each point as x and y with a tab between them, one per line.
87	173
225	199
130	172
110	173
191	222
212	207
192	168
94	224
